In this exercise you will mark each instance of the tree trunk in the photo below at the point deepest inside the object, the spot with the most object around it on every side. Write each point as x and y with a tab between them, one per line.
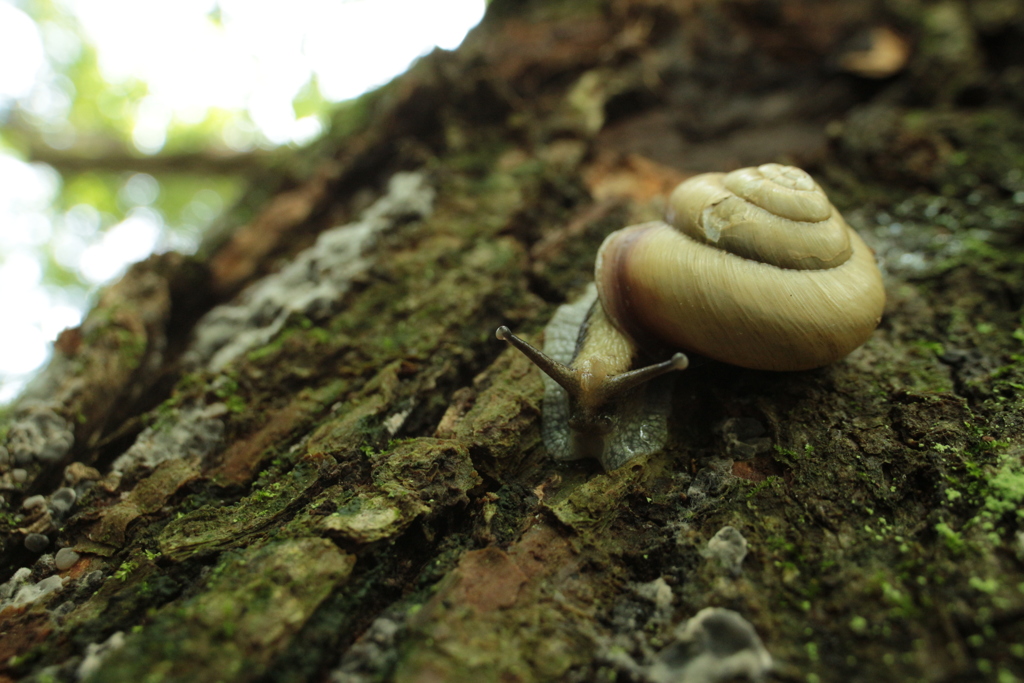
303	455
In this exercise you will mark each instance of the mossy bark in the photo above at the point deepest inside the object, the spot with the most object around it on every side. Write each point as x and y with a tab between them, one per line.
375	502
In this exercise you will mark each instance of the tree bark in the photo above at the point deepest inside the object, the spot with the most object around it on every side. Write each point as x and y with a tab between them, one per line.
302	455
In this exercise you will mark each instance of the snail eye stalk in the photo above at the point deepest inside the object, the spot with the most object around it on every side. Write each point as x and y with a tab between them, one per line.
579	383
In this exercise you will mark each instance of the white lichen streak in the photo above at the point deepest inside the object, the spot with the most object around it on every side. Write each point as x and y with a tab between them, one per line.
311	285
17	591
95	653
37	433
197	431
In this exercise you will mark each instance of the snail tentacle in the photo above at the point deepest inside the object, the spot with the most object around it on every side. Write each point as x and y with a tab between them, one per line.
551	367
586	381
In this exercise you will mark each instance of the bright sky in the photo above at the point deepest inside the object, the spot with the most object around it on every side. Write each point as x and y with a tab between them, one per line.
256	58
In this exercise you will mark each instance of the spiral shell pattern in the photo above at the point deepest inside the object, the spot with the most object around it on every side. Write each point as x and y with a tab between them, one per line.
758	269
772	214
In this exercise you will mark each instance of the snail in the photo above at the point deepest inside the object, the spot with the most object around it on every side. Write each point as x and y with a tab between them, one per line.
753	268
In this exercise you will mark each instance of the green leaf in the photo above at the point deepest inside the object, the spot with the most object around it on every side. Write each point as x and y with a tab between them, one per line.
309	101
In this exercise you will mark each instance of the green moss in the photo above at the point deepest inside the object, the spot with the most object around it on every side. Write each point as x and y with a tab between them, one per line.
211	529
125	570
931	347
236	404
225	386
987	586
352	116
320	335
244	616
132	346
1006	489
256	356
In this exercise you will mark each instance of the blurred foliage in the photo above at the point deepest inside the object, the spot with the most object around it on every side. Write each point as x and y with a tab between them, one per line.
309	101
90	144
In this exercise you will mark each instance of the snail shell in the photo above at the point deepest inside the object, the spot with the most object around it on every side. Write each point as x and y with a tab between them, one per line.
757	270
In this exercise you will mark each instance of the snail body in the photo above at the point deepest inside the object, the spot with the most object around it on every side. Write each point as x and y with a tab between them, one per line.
627	424
754	268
